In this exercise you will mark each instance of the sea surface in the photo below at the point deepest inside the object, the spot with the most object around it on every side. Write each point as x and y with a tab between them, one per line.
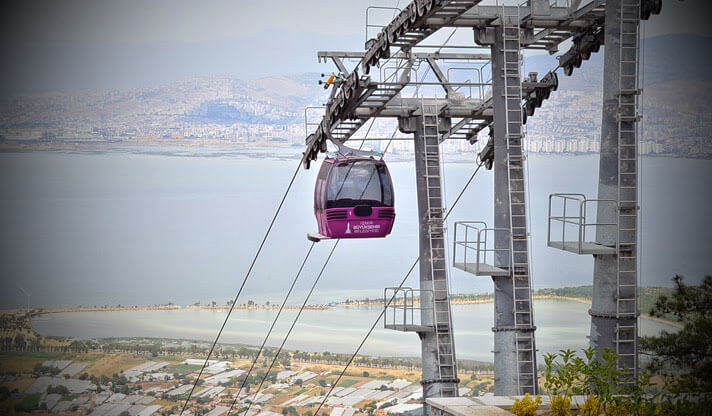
144	227
561	324
177	226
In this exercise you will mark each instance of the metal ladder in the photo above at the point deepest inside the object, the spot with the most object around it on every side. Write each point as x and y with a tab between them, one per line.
626	336
525	345
442	317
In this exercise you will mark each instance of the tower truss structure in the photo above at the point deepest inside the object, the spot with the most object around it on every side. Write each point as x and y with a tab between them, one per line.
377	87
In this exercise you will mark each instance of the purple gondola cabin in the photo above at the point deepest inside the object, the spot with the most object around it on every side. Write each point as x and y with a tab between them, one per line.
353	198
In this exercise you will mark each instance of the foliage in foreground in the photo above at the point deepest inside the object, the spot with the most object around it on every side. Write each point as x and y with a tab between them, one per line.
608	389
684	358
526	406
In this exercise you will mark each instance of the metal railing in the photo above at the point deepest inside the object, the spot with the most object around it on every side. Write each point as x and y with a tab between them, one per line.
397	71
478	77
578	219
308	123
552	3
474	236
402	310
394	10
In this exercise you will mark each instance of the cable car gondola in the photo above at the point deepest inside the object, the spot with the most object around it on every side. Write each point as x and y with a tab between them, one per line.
353	197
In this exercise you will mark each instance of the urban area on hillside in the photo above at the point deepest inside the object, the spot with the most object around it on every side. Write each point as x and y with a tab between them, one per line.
226	112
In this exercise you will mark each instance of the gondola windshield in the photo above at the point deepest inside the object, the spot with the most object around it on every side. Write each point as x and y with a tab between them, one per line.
358	183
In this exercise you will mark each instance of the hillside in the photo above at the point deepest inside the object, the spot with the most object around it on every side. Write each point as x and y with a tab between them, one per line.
646	298
676	106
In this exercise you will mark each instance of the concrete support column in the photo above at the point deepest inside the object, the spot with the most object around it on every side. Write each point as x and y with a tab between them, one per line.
505	356
432	387
605	274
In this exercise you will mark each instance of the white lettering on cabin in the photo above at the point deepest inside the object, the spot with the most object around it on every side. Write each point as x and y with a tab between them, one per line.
366	227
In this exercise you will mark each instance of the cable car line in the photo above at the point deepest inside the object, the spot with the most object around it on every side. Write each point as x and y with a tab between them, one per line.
259	352
289	332
254	260
368	334
274	322
242	285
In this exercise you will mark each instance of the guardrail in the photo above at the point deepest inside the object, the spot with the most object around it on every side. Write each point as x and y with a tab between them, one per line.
401	312
474	237
578	219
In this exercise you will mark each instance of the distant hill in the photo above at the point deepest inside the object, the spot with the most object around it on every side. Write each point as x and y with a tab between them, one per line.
676	105
647	296
676	102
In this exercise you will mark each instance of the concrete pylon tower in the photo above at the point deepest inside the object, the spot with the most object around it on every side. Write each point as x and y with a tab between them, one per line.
614	314
439	362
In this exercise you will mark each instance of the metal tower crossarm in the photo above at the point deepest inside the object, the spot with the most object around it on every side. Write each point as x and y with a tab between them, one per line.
420	19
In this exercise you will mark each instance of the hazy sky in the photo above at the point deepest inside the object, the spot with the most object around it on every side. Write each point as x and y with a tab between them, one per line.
79	44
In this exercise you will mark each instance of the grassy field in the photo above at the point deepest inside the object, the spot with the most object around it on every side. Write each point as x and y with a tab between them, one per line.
23	363
110	364
182	368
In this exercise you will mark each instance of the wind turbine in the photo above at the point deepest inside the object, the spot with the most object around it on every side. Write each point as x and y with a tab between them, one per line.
27	294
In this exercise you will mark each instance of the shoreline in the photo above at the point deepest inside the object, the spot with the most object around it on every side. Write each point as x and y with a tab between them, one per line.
146	147
45	311
490	299
37	313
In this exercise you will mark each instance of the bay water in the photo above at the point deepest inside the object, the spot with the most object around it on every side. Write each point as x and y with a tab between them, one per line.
110	228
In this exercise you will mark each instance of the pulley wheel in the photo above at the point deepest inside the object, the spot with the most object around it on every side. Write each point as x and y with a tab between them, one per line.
413	13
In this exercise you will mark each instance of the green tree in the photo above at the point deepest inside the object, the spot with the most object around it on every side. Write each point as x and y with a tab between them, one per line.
684	357
20	342
28	404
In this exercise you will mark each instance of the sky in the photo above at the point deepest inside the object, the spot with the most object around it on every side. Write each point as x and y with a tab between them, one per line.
51	45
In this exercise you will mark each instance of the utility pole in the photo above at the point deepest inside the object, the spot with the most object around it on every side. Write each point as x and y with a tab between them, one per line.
26	294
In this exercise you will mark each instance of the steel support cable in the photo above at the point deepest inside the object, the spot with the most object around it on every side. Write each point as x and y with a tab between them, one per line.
312	288
242	285
373	120
415	94
385	307
282	306
289	332
640	136
274	322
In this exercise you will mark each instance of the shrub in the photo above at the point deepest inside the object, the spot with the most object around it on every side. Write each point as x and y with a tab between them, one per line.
591	407
526	406
597	376
560	405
